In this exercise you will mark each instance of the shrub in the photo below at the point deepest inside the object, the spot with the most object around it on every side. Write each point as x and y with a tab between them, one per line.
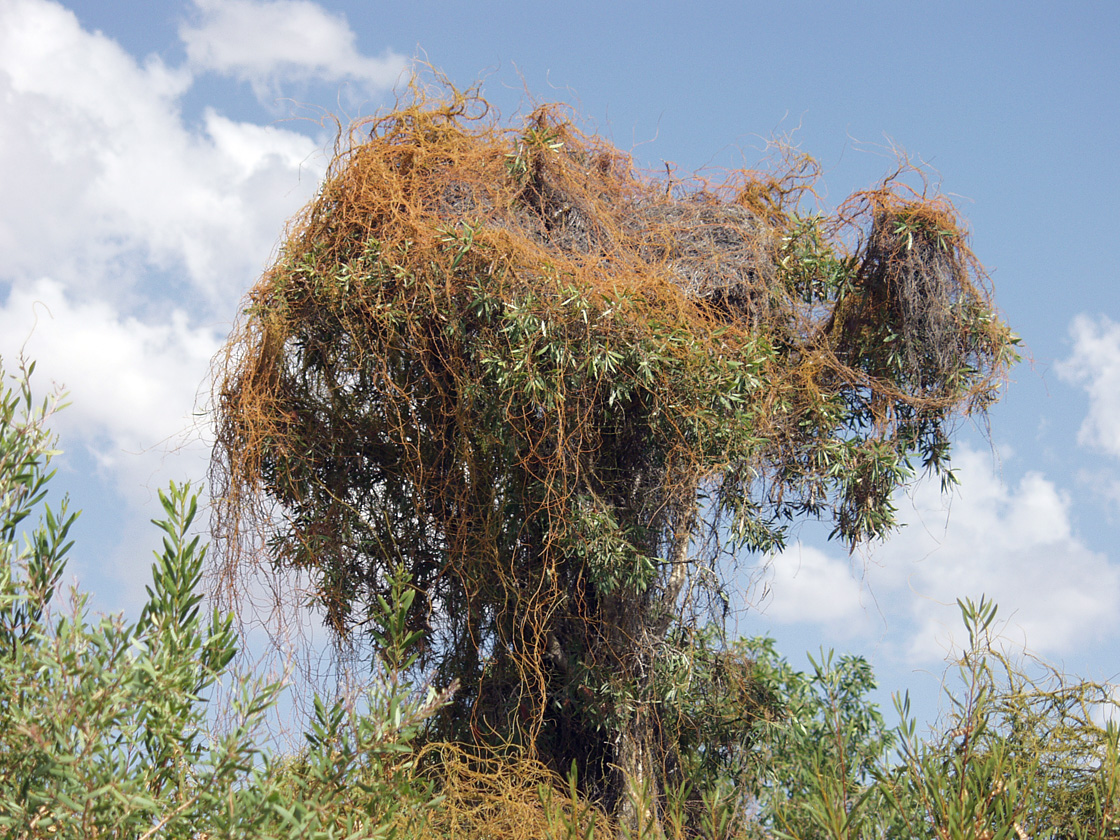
104	729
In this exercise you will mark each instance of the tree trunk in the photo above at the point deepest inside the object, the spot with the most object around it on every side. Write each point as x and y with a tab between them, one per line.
638	622
639	781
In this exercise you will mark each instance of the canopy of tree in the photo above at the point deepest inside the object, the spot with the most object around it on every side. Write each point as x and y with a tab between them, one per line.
564	395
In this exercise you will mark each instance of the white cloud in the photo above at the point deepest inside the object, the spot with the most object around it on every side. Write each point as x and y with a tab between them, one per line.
1095	366
266	43
1014	544
110	183
130	234
132	385
146	226
805	584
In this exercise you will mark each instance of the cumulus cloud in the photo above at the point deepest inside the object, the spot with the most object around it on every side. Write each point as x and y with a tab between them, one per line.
266	43
130	427
1015	544
149	229
112	184
132	385
1095	366
803	583
130	233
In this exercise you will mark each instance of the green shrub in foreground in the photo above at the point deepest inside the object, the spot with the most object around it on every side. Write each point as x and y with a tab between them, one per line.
1023	751
103	723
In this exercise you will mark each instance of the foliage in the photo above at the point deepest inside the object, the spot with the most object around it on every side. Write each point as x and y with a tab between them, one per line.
564	394
104	731
1024	752
820	754
103	724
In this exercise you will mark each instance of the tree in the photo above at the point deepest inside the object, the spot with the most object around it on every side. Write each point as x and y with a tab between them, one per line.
565	395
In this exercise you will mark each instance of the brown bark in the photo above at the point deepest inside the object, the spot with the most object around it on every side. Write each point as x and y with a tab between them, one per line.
639	621
640	783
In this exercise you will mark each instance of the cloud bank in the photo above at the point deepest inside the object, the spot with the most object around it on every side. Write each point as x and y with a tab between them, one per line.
1094	365
131	232
269	44
1016	544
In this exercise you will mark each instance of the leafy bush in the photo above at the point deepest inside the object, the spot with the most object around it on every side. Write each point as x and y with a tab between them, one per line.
1024	752
103	723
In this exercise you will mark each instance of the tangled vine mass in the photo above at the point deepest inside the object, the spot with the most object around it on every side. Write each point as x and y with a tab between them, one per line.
563	395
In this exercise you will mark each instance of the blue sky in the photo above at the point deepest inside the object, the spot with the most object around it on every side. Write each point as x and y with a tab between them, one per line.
150	154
